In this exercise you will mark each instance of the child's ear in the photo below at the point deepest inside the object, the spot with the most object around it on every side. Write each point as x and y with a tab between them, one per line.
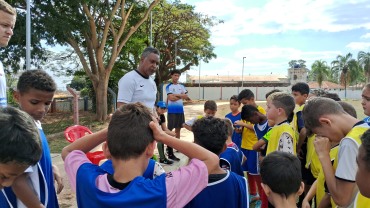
301	189
106	151
224	148
16	96
266	188
150	149
324	120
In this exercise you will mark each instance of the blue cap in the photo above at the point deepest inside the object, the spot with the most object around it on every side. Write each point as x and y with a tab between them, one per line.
161	104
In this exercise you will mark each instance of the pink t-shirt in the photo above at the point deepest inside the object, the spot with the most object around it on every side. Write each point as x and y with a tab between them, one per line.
181	186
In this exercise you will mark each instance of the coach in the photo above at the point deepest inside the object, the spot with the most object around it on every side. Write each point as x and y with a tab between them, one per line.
137	85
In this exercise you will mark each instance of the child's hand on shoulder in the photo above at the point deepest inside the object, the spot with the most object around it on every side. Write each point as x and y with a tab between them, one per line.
158	133
238	123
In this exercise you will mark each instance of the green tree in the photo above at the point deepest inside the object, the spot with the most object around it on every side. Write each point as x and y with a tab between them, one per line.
302	63
96	30
78	83
321	70
364	61
348	68
292	63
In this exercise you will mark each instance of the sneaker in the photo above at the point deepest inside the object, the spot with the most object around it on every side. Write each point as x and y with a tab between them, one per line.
254	198
166	162
174	158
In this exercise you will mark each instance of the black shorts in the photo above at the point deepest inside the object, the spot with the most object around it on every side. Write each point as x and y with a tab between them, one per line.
306	173
175	120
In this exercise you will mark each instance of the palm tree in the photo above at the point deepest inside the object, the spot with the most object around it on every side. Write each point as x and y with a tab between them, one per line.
321	70
364	62
349	69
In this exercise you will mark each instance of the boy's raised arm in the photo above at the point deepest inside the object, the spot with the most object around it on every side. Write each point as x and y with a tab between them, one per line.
86	143
189	149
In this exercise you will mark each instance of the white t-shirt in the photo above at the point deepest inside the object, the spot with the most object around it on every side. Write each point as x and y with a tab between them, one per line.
134	87
3	98
175	106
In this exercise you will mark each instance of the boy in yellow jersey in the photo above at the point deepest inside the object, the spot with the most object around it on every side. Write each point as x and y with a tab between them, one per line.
363	161
300	93
279	106
318	187
327	119
249	138
210	109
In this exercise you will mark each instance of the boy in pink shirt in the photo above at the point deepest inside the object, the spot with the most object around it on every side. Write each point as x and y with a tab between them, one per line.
132	137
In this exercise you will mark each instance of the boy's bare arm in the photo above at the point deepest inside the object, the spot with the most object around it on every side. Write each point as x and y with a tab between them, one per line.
187	148
186	127
302	139
173	97
248	126
86	143
24	192
340	190
311	193
258	145
165	129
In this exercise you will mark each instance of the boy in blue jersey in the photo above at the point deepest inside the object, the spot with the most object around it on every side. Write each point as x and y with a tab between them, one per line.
35	93
232	158
366	102
282	190
225	188
20	148
131	139
235	116
176	92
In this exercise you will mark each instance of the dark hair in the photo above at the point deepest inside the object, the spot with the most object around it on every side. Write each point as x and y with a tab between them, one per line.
246	94
301	87
333	96
150	50
272	92
283	100
19	138
175	72
129	133
348	108
248	111
290	117
211	105
36	79
235	97
5	7
281	171
229	125
315	108
210	133
365	138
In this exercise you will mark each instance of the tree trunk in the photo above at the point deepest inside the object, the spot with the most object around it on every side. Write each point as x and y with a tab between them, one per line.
101	99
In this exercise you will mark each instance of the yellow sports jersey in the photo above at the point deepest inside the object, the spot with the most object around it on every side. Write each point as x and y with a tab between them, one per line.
310	150
295	123
355	134
320	189
199	117
282	134
249	138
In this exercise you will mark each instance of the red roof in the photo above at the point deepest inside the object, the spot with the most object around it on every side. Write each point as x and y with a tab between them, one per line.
325	85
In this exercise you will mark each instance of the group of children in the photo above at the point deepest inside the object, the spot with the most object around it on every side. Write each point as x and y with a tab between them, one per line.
315	152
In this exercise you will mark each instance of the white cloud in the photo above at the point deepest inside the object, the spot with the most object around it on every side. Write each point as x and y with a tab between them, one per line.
226	41
358	45
366	35
287	53
281	15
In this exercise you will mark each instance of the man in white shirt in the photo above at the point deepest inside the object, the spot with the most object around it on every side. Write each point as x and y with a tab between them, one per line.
8	17
137	85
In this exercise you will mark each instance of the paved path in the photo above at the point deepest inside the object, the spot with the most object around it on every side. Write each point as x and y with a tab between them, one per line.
68	198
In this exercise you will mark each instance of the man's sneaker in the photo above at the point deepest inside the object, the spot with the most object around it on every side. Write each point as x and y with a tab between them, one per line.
253	198
174	158
166	162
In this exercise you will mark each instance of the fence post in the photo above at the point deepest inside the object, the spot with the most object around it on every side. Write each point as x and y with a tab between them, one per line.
114	102
75	105
86	103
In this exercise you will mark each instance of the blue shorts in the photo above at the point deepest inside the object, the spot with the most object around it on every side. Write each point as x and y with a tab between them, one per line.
252	164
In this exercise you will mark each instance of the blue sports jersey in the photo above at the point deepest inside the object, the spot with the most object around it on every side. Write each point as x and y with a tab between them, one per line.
175	106
7	196
236	138
140	192
230	192
261	130
46	191
367	120
149	172
234	159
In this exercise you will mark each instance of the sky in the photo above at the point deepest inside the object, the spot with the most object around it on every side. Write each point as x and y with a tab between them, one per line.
271	33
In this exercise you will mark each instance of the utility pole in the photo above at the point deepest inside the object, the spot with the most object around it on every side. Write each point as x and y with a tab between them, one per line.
151	28
175	54
200	61
243	74
28	36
